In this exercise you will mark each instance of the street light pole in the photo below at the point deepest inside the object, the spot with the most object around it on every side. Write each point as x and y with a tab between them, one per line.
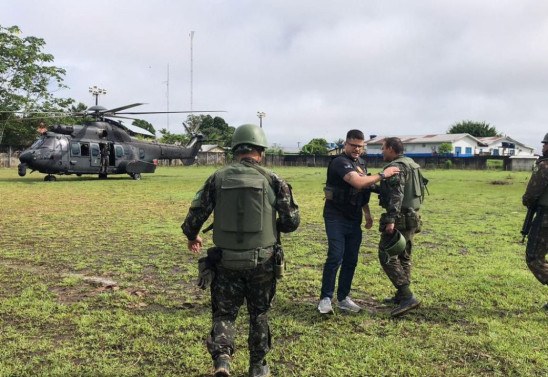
95	91
261	115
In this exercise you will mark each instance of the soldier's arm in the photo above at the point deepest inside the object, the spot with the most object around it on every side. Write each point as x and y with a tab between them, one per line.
362	181
395	199
537	185
288	210
200	209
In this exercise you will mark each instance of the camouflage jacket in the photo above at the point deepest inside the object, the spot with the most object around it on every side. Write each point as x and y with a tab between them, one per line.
538	183
286	207
392	191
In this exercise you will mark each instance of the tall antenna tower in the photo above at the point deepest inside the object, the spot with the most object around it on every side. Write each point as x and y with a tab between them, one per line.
191	67
167	97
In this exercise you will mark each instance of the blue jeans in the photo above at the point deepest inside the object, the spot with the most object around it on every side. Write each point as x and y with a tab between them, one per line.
344	239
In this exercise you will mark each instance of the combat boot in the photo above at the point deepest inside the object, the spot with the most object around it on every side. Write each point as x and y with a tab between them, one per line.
394	300
406	305
222	366
259	369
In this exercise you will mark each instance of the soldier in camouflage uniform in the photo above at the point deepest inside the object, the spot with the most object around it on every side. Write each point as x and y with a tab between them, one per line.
251	205
401	196
536	196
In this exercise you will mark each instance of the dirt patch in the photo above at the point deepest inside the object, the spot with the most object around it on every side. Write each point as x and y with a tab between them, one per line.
499	182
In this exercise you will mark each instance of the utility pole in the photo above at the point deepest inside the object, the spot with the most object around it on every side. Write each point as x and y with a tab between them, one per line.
191	67
167	97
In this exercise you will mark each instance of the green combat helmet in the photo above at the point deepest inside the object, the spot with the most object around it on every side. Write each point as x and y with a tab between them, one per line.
545	139
395	245
249	134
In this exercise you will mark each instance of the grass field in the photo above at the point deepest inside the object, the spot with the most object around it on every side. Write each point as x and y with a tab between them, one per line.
95	280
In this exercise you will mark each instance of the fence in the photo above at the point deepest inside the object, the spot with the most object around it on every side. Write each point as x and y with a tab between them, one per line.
9	157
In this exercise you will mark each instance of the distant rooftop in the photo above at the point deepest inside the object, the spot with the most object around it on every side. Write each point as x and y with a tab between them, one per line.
424	139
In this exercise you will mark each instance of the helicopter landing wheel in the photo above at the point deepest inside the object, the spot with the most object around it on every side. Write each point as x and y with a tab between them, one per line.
50	178
136	176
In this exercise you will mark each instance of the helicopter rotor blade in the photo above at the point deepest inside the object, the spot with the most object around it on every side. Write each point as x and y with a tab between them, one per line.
117	116
117	109
187	129
174	112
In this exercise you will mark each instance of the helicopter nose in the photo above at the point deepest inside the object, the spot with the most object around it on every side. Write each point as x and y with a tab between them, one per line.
26	157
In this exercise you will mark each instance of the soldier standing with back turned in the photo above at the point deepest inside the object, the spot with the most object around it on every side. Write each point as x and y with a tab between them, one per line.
536	197
246	200
401	196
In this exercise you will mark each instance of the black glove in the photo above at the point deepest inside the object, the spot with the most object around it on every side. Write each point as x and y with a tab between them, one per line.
205	273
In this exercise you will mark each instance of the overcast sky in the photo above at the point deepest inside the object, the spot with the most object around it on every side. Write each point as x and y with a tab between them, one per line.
316	68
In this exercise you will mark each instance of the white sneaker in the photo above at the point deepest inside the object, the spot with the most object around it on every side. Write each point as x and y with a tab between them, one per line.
349	305
324	307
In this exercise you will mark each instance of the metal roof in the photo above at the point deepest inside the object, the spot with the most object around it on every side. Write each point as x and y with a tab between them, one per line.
425	139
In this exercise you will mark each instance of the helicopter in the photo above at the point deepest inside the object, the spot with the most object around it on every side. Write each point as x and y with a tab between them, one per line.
103	146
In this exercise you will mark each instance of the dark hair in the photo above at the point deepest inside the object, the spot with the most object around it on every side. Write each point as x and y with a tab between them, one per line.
355	134
246	148
394	143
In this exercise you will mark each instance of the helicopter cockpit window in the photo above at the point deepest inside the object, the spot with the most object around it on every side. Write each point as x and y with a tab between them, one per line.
75	149
62	144
119	151
84	149
47	142
38	143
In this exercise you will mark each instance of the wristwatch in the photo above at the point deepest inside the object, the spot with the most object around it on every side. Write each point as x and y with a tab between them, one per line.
383	177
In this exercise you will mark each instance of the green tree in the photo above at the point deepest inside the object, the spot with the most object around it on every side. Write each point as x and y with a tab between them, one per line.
476	129
27	80
445	148
275	149
316	147
144	124
214	129
170	138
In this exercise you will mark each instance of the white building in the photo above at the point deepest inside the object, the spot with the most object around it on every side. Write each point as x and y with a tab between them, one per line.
504	146
462	145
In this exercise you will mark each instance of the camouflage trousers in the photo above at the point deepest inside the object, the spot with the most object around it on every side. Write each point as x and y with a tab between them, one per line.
398	267
537	246
228	291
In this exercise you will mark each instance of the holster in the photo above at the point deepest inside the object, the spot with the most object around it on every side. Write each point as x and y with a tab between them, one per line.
279	261
207	267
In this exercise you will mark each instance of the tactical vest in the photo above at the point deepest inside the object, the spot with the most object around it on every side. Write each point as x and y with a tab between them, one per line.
543	200
245	217
345	193
413	193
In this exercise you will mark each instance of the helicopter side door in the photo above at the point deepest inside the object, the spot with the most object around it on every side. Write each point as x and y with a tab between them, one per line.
81	157
118	157
95	156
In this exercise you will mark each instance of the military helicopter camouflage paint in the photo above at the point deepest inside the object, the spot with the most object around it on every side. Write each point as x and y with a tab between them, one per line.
103	146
